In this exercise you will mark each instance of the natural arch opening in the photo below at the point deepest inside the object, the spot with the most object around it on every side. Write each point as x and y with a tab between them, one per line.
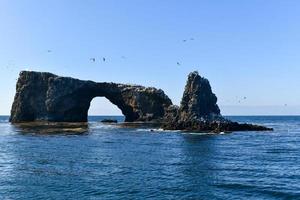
101	108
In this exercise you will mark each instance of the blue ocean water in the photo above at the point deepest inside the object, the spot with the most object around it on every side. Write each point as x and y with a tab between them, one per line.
111	162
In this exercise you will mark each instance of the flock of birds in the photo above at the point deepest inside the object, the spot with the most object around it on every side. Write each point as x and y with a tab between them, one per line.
93	59
243	99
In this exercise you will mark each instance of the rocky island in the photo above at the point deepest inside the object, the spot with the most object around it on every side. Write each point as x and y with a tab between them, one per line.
199	111
42	96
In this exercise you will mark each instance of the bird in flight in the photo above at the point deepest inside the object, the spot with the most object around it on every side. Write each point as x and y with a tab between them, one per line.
192	39
49	51
178	63
183	40
103	59
93	59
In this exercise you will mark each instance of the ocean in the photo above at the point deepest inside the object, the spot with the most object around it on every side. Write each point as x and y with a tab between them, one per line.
113	162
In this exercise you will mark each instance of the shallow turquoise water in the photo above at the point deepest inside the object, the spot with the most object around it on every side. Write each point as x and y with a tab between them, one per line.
109	162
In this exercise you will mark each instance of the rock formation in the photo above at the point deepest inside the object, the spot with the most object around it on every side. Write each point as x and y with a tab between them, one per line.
198	99
47	97
199	111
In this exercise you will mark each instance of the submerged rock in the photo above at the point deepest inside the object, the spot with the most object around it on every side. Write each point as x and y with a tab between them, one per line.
52	127
109	121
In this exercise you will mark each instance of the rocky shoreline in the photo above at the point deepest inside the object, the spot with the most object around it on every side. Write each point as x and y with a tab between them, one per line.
42	96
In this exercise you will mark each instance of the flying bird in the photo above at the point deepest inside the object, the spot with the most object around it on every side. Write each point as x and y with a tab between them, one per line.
192	39
103	59
178	64
183	40
49	51
93	59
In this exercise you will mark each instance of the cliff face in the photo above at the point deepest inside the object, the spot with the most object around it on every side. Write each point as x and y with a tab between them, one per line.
47	97
30	97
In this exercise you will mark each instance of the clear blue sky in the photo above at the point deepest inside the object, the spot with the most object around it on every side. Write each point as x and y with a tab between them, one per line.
245	48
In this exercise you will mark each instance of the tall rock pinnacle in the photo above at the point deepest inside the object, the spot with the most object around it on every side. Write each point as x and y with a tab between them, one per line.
198	99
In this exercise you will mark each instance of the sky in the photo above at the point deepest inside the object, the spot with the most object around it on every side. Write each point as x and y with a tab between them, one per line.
245	48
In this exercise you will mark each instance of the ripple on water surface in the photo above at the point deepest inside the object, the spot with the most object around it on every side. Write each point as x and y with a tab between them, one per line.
112	162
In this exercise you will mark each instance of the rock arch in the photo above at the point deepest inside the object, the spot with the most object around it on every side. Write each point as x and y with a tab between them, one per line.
46	97
102	106
42	96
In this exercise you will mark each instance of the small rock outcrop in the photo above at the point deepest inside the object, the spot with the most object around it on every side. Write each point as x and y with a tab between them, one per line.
109	121
199	111
46	97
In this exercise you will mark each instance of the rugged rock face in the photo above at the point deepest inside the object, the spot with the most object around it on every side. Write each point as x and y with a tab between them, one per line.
47	97
198	99
199	111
